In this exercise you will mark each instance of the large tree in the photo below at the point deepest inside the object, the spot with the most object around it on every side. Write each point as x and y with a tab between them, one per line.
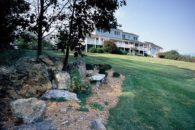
12	18
81	17
44	16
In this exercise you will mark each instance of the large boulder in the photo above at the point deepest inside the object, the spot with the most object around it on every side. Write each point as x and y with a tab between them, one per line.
46	60
29	110
62	80
59	94
97	125
30	79
44	125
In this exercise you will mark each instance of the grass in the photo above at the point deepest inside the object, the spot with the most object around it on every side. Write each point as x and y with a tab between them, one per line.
97	106
157	94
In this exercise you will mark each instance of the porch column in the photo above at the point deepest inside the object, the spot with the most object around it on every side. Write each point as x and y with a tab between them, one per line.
99	41
124	45
86	44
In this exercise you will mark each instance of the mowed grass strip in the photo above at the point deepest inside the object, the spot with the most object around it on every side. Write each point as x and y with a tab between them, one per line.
157	94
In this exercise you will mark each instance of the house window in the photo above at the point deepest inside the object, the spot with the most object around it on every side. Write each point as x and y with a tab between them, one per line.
135	38
116	33
123	36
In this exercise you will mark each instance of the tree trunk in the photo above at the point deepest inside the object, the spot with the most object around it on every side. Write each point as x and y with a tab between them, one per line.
65	64
40	27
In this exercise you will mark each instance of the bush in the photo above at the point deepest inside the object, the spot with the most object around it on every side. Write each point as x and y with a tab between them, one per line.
93	50
116	74
96	105
174	55
89	67
99	50
103	71
77	83
83	109
161	55
105	67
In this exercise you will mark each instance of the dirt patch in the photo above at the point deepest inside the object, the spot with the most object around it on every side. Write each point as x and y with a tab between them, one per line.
66	115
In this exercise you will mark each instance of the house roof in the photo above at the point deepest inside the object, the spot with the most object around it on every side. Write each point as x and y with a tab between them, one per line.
153	44
131	33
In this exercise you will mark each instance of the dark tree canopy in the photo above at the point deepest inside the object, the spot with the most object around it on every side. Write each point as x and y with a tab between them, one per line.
12	19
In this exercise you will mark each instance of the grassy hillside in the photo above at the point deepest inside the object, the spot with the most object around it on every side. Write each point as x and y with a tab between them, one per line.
157	94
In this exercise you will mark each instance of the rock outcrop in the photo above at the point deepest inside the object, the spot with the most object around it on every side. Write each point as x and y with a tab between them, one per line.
29	110
59	94
26	79
97	125
62	80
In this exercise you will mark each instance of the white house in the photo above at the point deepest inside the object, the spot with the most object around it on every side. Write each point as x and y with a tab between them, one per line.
123	40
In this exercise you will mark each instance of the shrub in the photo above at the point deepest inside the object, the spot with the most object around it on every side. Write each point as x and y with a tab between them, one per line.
99	50
83	109
110	46
185	58
103	71
105	66
116	74
77	83
96	105
106	103
161	55
93	50
89	67
174	55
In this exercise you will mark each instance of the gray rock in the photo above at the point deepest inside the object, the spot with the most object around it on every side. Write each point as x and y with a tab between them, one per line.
46	60
44	125
97	125
62	80
31	78
29	110
90	73
82	68
58	94
54	85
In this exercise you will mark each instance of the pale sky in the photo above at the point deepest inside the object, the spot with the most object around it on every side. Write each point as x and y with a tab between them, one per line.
167	23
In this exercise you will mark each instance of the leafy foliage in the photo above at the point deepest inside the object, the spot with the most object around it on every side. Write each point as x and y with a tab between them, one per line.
83	109
109	47
12	20
174	55
89	66
96	105
78	84
116	74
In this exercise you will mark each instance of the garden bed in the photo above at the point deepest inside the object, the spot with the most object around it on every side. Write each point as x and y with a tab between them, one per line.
69	115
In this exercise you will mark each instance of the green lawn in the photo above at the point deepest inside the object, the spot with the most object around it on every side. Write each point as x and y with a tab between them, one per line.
157	94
